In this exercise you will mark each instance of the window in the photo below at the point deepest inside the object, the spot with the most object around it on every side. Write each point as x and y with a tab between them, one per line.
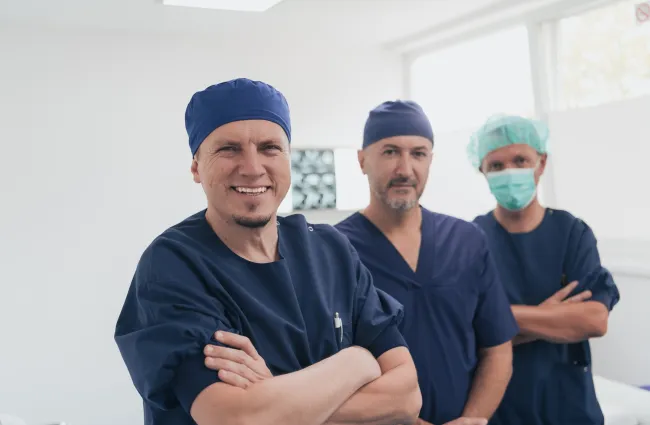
459	88
602	56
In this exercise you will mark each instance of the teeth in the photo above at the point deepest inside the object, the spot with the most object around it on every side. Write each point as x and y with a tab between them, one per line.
251	189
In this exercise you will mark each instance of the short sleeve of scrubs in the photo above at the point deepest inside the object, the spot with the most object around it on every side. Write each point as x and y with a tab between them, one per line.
494	322
161	334
377	314
583	264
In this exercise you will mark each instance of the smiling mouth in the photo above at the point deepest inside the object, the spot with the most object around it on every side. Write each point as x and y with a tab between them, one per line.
251	191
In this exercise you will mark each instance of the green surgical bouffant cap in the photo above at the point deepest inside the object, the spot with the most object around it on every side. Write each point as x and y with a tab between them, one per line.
503	130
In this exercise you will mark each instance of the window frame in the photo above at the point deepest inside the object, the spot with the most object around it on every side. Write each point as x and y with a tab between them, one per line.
541	24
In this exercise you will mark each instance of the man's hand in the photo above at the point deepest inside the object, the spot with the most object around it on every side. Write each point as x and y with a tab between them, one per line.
561	296
239	366
468	421
422	422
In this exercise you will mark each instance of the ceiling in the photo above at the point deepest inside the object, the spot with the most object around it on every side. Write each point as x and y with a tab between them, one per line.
346	22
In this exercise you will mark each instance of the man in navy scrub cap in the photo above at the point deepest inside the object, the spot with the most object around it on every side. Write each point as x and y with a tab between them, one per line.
458	322
296	292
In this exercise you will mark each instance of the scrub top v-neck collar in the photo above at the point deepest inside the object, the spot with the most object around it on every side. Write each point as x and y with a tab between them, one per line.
281	246
388	251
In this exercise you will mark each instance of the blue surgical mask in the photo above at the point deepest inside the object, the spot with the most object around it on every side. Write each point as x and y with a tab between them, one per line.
513	188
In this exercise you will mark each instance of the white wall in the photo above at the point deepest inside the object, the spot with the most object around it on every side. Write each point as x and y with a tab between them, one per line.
94	163
622	354
599	157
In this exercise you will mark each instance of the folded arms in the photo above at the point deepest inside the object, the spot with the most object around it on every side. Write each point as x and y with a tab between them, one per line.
350	387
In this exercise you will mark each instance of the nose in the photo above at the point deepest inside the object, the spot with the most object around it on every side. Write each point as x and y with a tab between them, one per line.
404	166
251	164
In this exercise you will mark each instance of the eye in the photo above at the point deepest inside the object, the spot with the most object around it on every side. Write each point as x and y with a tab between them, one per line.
227	148
270	148
389	152
420	154
495	166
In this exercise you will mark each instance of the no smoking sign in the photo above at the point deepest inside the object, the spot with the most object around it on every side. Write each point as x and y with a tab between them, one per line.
643	13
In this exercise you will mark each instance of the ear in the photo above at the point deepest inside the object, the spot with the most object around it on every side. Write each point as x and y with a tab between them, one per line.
195	170
540	168
361	158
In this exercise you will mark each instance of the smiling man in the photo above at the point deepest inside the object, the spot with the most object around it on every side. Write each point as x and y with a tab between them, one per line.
458	322
236	272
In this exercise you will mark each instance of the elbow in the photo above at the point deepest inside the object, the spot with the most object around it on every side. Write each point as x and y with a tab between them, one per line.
599	327
414	407
599	320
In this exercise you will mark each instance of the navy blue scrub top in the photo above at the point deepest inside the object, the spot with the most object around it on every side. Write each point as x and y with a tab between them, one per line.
454	303
552	384
188	285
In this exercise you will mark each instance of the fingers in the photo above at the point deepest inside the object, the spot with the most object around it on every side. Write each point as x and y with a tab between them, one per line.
564	292
582	296
233	379
237	341
231	354
238	356
234	368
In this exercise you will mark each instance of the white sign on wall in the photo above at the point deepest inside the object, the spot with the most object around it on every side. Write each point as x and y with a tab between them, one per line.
642	11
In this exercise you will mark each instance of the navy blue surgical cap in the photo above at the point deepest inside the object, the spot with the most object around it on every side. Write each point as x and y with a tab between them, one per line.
235	100
398	118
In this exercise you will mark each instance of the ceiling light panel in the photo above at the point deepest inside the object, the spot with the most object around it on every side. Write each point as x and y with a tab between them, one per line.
237	5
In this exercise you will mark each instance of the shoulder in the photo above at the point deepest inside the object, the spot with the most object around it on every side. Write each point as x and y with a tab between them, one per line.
577	231
350	224
455	229
484	220
567	222
174	249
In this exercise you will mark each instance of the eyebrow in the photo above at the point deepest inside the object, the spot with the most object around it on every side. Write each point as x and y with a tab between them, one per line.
391	146
228	141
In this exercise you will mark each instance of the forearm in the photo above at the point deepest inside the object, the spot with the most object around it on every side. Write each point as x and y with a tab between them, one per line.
394	398
491	379
562	323
306	397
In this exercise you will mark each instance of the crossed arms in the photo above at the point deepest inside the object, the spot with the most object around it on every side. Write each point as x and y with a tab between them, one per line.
350	387
562	319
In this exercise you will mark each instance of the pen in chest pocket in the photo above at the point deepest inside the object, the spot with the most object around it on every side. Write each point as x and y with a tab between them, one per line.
338	324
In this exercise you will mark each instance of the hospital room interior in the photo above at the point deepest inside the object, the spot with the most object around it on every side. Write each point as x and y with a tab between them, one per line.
95	162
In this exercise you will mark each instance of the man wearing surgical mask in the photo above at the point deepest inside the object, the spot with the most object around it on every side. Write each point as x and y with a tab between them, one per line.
549	264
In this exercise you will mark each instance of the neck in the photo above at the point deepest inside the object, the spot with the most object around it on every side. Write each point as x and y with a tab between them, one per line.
389	220
258	245
522	221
